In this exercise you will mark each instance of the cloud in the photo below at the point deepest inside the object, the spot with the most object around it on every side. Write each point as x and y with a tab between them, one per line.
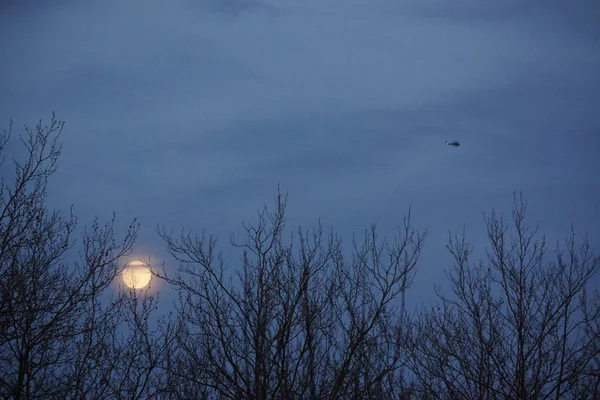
258	65
190	112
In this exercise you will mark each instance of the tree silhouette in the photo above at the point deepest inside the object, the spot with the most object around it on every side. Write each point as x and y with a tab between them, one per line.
299	321
58	327
518	326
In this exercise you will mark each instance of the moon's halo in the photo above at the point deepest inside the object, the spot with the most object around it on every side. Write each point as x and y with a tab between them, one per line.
136	275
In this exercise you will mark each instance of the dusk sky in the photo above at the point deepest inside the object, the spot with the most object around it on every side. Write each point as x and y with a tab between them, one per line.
190	113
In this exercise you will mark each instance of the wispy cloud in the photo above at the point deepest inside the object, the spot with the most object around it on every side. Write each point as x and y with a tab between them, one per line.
190	112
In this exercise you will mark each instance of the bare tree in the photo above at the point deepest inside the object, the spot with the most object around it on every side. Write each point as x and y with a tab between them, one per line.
124	356
139	369
299	320
516	327
54	314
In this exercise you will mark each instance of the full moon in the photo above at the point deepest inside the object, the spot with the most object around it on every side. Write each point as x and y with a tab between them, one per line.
136	275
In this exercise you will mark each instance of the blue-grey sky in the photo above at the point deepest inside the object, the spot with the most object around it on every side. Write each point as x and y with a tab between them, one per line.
189	113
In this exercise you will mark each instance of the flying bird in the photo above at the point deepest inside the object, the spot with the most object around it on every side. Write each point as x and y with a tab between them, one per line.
455	144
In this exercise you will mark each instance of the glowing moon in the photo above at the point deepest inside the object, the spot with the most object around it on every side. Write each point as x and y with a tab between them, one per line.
136	275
